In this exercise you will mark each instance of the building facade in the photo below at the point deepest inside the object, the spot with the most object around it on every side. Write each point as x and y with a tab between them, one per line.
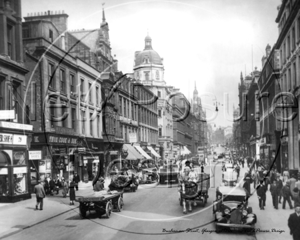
15	128
288	20
65	102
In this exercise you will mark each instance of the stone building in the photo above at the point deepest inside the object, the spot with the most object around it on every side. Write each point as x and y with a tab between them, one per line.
65	100
149	71
15	130
288	20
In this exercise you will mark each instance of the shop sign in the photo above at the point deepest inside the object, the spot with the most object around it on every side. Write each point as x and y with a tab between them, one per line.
85	158
3	171
113	152
81	149
19	139
6	138
35	155
18	126
132	137
20	170
61	140
7	114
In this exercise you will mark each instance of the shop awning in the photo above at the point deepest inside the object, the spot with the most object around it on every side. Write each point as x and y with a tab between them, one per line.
153	152
141	151
185	151
132	153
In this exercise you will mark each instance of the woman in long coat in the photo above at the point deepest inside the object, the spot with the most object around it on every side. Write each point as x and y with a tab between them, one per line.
65	187
72	192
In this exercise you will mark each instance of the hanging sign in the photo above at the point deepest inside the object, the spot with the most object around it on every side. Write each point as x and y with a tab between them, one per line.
35	155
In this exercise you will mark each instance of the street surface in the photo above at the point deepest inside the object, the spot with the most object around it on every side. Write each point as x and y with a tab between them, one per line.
149	213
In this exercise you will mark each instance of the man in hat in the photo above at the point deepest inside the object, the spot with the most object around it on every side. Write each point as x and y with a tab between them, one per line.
294	223
274	193
246	185
279	187
261	194
40	195
286	193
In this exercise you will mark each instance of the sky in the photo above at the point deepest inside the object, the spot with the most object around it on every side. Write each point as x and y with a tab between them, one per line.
207	42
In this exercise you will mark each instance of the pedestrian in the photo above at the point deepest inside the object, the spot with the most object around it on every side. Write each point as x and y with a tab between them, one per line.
57	185
72	191
65	187
246	185
76	179
243	162
286	175
286	193
52	186
274	193
261	193
40	195
99	185
46	186
295	196
279	185
237	169
294	223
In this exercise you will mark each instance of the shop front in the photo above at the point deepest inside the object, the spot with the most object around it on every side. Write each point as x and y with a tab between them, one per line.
53	156
90	158
14	177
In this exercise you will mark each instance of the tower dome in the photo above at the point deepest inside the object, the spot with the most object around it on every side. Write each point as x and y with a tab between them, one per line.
148	55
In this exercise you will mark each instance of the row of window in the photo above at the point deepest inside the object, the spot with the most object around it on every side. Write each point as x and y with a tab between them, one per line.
147	75
72	84
289	44
71	121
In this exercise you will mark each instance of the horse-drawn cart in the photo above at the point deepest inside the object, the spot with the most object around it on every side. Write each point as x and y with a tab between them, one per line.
194	192
102	202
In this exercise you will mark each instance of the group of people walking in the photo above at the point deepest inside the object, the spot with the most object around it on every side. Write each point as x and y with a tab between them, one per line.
51	186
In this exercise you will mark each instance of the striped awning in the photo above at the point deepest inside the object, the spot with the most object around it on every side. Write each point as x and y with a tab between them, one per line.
141	151
133	154
153	152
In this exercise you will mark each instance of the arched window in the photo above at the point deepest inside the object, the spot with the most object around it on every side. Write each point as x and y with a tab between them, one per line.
4	159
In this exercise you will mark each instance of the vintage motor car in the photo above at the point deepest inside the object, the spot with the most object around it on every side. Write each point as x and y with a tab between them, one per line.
168	174
231	210
229	176
146	171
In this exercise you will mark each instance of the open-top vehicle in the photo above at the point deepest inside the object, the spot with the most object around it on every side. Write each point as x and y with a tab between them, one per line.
103	202
231	210
193	192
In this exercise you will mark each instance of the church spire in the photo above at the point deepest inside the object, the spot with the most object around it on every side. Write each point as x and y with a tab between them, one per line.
103	16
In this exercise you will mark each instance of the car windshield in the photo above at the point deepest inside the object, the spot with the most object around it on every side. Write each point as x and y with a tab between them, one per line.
227	198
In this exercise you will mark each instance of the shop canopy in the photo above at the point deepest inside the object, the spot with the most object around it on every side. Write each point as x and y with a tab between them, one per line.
142	152
185	151
153	152
132	153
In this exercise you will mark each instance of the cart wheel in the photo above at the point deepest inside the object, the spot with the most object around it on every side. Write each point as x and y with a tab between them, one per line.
108	209
82	210
120	204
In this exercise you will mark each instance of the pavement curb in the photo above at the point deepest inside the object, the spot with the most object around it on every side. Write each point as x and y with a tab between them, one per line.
32	225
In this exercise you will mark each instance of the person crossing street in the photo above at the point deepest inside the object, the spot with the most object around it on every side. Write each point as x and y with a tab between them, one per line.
40	195
274	193
286	193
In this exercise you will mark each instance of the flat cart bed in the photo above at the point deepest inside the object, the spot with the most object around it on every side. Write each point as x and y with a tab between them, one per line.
102	202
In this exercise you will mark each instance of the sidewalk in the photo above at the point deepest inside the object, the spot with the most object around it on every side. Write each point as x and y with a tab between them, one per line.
269	219
21	215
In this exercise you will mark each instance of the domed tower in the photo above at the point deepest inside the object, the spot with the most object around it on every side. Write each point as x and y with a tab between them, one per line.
148	65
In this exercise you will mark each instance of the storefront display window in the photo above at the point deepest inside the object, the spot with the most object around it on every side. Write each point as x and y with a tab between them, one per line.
19	158
20	180
4	183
